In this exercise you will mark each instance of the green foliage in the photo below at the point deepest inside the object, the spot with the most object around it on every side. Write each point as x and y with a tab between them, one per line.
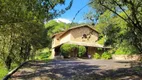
43	54
82	51
106	55
120	51
52	27
70	50
102	41
119	20
55	27
3	70
124	48
22	30
97	56
104	21
100	49
67	49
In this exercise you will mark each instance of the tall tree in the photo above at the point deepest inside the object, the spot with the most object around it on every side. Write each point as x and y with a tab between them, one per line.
52	27
22	27
132	10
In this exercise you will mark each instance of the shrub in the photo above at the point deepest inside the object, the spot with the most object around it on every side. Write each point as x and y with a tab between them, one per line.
101	41
81	51
97	56
43	54
3	70
106	55
67	49
125	50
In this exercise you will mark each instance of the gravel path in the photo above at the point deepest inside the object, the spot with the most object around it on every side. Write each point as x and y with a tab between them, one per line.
65	69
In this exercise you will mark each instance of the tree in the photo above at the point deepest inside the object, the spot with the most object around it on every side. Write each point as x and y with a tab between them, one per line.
132	10
22	27
52	27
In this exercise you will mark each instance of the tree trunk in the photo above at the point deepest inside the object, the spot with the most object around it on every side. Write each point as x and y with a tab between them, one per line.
8	62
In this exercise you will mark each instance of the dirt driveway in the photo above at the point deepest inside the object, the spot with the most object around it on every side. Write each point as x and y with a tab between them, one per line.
65	69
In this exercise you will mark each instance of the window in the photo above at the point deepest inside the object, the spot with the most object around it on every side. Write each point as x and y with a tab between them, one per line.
84	36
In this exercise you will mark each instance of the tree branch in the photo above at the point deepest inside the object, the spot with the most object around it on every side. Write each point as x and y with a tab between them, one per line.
114	12
123	11
134	24
79	11
133	9
137	22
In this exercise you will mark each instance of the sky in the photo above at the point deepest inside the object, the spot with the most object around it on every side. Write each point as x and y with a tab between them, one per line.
70	14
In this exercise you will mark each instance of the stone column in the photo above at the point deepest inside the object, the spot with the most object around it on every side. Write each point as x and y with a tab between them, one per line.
52	54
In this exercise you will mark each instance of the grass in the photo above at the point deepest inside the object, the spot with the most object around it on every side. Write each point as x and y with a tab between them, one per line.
3	72
43	55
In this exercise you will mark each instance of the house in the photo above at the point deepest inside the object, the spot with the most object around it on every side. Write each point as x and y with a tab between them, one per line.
80	35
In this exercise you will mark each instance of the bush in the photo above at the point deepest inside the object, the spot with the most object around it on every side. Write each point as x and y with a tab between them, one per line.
43	54
126	50
97	56
82	51
106	55
101	41
3	70
67	49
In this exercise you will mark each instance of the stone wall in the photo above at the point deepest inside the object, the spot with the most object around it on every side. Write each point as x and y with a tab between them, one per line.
126	57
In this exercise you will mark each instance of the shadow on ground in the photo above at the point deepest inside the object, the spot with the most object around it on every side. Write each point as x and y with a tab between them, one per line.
73	70
53	70
119	74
